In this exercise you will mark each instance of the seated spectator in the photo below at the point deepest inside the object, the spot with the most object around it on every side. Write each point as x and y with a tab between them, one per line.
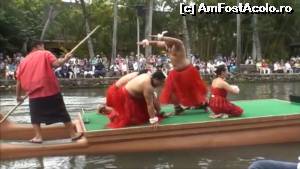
99	70
64	72
249	61
2	68
288	67
135	66
115	69
202	67
232	66
70	72
124	67
88	70
210	67
281	67
265	68
76	70
276	67
220	62
10	70
258	66
297	66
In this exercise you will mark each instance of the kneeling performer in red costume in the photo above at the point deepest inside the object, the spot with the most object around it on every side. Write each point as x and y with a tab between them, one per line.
218	102
135	102
112	91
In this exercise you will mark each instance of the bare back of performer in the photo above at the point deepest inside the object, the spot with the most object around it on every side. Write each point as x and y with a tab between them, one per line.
136	101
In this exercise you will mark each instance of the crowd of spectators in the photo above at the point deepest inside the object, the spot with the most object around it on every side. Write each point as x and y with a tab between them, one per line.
264	66
99	67
9	64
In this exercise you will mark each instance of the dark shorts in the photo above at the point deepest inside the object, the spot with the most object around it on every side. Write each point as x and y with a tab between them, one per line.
48	110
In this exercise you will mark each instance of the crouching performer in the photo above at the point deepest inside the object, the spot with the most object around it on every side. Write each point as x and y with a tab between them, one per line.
135	103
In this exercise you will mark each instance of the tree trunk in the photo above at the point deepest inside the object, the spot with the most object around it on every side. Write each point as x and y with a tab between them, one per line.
24	47
256	48
47	22
115	31
238	40
148	28
186	37
87	29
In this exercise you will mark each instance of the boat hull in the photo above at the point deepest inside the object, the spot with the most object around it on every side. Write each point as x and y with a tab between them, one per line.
216	134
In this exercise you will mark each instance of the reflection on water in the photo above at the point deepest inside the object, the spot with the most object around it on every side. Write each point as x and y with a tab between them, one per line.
223	158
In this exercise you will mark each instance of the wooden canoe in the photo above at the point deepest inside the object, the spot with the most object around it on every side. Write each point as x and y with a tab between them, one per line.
263	122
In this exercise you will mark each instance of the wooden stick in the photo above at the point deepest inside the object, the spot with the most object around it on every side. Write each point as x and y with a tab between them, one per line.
83	40
16	106
84	119
12	110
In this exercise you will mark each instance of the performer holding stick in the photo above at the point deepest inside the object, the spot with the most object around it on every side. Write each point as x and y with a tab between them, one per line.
184	86
35	73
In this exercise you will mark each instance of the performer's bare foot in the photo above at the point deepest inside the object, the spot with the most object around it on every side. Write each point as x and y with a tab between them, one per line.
104	110
221	115
215	116
36	140
169	114
77	136
180	109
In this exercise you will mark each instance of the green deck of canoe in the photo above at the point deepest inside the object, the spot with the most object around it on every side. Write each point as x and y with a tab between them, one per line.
252	109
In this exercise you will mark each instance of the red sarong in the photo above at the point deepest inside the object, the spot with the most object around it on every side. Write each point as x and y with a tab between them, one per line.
219	104
184	87
132	111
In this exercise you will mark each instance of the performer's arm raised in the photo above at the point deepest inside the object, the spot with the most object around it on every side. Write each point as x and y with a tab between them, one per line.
147	42
172	41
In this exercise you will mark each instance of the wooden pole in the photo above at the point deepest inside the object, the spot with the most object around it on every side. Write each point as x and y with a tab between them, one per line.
83	40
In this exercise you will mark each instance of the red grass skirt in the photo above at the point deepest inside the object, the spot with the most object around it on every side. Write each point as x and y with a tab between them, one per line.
184	87
112	95
132	111
220	105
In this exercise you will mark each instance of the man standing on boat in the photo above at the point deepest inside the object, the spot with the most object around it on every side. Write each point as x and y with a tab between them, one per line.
137	102
36	77
184	86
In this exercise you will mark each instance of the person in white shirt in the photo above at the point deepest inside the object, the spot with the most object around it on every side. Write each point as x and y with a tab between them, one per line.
276	67
288	67
249	61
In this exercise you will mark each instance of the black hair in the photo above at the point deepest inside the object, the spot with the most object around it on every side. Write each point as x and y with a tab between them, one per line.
159	75
32	43
142	71
220	69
